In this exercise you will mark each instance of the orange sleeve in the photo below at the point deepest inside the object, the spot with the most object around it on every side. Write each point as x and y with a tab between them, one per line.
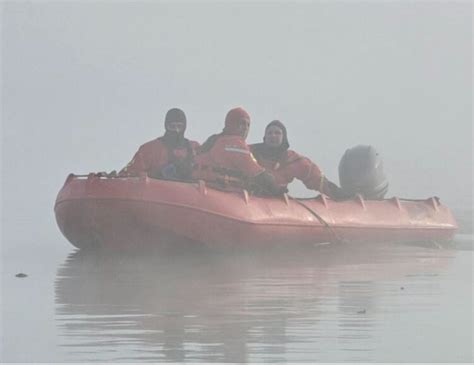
310	174
137	165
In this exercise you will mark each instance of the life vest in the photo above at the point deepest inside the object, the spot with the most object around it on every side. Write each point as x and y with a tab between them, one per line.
227	162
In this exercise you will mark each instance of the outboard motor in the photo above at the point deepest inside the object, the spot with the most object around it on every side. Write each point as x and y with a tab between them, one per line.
361	172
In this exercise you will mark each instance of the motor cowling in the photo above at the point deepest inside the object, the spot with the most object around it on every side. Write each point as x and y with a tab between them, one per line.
361	172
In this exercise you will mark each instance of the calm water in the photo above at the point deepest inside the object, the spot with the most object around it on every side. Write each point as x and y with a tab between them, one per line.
334	303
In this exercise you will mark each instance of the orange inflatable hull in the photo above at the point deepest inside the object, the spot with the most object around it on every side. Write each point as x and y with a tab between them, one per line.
95	211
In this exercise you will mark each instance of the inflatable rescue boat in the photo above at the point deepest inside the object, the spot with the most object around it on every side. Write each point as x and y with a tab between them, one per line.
96	211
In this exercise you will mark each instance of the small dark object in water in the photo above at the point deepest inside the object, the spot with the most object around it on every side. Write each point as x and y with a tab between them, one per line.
21	275
402	288
361	312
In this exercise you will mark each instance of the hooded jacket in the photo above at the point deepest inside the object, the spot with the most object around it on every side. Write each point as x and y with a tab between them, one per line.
225	158
286	165
170	150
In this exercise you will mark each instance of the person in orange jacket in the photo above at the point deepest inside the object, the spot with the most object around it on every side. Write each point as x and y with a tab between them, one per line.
225	159
285	165
167	157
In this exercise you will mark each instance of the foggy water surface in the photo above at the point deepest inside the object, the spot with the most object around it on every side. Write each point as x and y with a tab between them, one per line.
331	303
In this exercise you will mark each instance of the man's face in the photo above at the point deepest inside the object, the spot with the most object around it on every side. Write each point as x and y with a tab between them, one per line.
273	136
244	127
175	126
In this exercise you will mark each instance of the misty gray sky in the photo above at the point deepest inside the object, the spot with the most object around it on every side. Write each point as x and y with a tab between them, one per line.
85	83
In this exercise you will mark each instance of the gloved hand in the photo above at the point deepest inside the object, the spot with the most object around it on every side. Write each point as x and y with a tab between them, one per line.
169	172
335	192
184	169
266	185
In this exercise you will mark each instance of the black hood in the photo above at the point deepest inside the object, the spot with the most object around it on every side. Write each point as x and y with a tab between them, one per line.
272	153
174	139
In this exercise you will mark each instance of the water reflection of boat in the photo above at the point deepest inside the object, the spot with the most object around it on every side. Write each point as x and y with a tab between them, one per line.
131	212
204	307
